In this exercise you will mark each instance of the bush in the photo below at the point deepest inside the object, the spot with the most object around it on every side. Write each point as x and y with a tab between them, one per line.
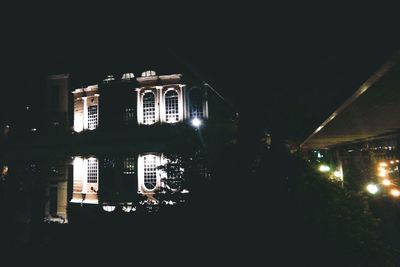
339	223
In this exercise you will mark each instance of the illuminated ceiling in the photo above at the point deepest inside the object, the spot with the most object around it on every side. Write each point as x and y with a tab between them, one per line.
372	111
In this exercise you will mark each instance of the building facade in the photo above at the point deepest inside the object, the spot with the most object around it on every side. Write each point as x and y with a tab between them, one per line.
106	145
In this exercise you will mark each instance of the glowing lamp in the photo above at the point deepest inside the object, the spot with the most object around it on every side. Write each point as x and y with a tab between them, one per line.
337	174
324	168
382	173
386	182
196	122
395	192
372	189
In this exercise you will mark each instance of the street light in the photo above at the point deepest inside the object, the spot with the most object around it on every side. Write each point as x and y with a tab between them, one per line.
324	168
395	192
386	182
196	122
372	189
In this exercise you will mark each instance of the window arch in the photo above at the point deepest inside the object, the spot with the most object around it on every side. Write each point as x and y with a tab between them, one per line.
196	103
171	106
150	172
149	113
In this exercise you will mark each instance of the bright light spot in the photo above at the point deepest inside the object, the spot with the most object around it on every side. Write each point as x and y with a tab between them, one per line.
196	122
169	202
337	174
386	182
109	78
395	192
128	208
383	164
372	189
397	160
109	208
382	173
33	129
324	168
128	76
392	162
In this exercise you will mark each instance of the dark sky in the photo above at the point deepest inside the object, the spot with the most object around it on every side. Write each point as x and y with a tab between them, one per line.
284	67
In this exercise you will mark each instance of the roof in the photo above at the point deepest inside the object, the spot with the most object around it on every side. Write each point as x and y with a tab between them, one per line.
372	111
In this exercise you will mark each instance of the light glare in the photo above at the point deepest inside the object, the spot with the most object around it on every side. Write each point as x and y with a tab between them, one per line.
338	174
324	168
109	208
196	122
395	192
372	189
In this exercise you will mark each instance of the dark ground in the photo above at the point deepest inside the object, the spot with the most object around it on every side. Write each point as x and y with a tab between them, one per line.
227	225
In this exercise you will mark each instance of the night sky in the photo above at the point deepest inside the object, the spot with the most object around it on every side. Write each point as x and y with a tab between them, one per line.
285	68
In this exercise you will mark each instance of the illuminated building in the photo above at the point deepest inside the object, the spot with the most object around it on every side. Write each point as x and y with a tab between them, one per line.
101	145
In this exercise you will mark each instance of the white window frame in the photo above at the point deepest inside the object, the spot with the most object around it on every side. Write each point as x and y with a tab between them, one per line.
142	106
80	175
93	119
160	174
178	106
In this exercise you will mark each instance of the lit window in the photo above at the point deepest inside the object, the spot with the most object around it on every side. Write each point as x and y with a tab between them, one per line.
128	76
171	106
149	114
92	171
196	103
108	163
109	79
92	117
150	172
148	73
129	165
129	115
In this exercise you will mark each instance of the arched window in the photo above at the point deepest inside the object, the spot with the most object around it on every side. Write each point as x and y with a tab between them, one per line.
196	103
150	172
149	114
171	106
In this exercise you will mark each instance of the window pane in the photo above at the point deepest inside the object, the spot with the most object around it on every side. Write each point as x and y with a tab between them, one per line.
171	106
92	117
150	174
129	115
92	171
129	165
149	116
196	103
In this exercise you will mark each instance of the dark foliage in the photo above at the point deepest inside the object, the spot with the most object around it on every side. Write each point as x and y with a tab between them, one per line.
320	222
